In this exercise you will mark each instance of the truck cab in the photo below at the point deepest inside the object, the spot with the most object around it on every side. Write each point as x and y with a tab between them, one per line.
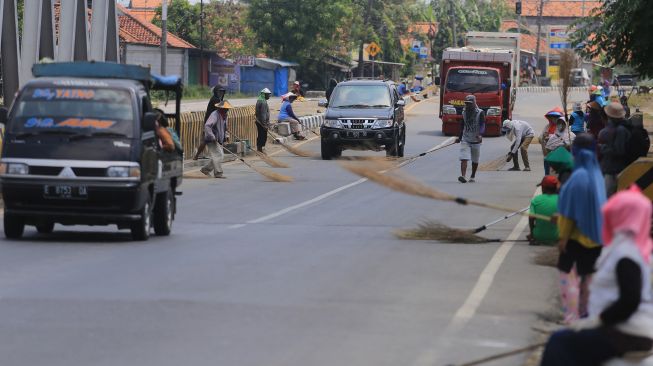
80	148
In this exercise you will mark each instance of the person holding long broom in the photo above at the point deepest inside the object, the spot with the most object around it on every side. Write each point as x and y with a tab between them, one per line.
262	119
217	97
471	137
215	135
522	134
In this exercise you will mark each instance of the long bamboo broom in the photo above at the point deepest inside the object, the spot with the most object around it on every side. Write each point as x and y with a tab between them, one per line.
299	152
416	188
493	165
264	172
268	160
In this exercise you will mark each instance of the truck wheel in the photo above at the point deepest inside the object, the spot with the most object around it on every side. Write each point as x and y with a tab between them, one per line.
392	150
45	227
326	150
164	207
14	226
141	229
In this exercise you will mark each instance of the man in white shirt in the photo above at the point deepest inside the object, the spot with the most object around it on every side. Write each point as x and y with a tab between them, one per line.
521	133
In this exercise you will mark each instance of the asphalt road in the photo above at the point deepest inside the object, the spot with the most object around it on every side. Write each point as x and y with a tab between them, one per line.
284	274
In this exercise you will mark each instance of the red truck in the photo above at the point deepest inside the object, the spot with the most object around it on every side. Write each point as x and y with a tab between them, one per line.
483	72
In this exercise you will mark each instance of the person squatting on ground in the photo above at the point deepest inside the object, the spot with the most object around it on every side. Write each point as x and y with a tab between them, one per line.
470	139
613	146
287	115
550	129
544	231
262	119
579	225
217	97
521	133
216	134
620	305
560	138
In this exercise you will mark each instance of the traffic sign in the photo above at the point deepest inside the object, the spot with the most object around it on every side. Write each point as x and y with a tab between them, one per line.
373	49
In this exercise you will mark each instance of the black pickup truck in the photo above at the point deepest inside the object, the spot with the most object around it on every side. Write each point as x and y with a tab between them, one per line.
80	149
363	115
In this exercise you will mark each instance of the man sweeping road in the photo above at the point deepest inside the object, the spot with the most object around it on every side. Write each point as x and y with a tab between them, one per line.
262	119
470	138
521	133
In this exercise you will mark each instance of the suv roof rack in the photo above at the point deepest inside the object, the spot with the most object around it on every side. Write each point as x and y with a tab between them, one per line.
367	78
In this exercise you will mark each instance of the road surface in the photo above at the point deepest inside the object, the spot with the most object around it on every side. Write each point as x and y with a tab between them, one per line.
289	274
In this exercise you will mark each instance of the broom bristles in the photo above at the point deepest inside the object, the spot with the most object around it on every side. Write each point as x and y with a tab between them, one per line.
493	165
433	230
298	152
272	162
274	176
547	258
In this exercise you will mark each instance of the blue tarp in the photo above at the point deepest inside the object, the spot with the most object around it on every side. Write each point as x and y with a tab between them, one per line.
280	81
254	79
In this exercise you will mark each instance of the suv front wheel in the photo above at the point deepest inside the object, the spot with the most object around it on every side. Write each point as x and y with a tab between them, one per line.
329	151
396	148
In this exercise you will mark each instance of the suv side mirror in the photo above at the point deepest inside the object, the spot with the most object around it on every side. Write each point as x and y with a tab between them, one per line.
323	103
400	103
436	80
3	115
149	121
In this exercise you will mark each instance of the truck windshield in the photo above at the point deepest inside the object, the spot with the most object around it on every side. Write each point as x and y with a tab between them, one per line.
360	96
472	80
83	111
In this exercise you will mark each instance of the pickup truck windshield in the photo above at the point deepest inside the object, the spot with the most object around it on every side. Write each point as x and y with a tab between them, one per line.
74	111
360	96
472	80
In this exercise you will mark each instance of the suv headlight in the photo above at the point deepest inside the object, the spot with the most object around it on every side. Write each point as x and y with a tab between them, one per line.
382	123
14	168
123	172
449	109
493	111
332	123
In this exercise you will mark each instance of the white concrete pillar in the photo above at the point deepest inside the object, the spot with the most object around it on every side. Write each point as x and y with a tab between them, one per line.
29	51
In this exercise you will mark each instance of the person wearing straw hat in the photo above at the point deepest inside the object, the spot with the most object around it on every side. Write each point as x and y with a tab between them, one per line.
471	137
613	145
522	134
216	134
620	321
262	119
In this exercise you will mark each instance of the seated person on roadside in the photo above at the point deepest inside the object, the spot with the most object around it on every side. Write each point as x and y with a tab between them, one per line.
620	322
546	204
287	115
562	162
160	129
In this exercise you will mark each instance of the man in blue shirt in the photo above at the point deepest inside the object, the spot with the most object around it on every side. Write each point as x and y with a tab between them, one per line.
287	115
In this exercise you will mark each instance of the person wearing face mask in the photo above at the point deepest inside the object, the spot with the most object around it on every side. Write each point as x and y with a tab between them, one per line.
470	138
551	117
262	118
562	137
217	97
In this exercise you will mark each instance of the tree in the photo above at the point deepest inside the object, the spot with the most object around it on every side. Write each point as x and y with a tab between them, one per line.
226	27
620	30
183	21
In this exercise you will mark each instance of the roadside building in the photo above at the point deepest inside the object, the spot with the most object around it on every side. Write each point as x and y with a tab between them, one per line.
267	73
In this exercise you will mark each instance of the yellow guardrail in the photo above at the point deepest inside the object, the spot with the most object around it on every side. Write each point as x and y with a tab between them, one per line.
241	122
641	173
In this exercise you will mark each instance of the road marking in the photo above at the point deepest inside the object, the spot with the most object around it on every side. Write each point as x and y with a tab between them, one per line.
320	197
467	311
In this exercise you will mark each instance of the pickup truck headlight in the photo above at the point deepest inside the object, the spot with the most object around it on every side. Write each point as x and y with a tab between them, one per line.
493	111
14	168
449	109
123	172
382	123
332	123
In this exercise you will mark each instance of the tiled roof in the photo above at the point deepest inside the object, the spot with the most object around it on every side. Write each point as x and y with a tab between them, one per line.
135	30
144	10
558	8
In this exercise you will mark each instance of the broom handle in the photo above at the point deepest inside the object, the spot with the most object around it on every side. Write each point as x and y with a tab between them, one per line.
238	157
464	201
503	354
479	229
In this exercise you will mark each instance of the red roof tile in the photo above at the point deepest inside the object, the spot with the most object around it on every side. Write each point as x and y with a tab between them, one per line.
558	8
139	31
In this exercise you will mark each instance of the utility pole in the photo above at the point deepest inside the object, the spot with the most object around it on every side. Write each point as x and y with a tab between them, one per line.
202	41
452	13
164	35
539	35
361	64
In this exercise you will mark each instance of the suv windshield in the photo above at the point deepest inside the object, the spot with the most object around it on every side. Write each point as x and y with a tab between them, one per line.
74	111
360	96
472	80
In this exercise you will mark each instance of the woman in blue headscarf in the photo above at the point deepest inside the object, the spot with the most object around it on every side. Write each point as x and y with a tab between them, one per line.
579	224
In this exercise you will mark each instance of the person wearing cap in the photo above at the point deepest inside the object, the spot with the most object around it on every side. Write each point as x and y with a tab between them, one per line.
620	316
297	89
613	141
546	204
287	115
521	133
550	129
579	223
217	96
262	119
216	133
577	119
470	139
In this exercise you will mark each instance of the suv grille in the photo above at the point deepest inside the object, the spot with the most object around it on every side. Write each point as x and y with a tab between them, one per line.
358	123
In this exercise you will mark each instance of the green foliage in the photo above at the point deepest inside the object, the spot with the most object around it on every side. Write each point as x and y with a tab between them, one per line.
620	30
227	28
183	21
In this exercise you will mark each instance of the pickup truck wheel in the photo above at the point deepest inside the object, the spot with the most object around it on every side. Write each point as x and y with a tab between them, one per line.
164	207
45	228
326	150
14	226
141	229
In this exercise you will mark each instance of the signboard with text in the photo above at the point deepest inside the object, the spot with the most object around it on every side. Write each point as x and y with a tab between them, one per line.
245	61
559	38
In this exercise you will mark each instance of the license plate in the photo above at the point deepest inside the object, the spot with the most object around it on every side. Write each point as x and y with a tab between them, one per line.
65	192
355	134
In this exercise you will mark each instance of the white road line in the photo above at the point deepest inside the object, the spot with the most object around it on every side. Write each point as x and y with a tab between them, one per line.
318	198
467	311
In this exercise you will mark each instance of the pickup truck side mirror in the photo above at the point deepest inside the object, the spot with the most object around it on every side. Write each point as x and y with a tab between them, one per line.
3	115
323	103
149	121
400	103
